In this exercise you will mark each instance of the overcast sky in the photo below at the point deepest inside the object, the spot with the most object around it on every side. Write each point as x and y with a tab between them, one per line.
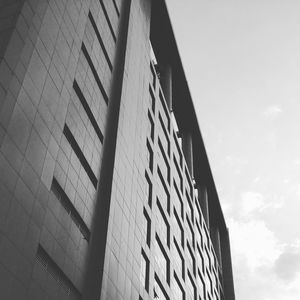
242	62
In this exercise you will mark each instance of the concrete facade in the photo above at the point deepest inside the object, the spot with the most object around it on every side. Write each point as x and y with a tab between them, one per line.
105	187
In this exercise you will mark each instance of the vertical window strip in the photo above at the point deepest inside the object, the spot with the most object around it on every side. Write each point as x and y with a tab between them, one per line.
88	110
100	40
57	274
68	134
116	7
108	20
70	209
96	76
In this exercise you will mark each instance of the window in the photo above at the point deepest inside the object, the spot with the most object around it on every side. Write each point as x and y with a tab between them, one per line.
151	125
94	72
165	165
178	229
178	291
68	134
150	156
152	100
201	286
100	40
147	227
149	190
178	259
62	282
165	196
191	288
165	110
144	275
178	204
192	259
162	224
70	209
177	175
108	21
159	292
88	111
162	259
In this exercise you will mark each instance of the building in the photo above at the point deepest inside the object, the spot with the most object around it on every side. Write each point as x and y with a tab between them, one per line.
105	187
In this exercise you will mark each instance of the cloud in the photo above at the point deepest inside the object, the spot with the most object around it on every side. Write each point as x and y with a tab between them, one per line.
251	202
253	243
272	111
287	266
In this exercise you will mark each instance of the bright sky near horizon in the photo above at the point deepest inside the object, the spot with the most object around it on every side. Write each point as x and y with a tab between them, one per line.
242	63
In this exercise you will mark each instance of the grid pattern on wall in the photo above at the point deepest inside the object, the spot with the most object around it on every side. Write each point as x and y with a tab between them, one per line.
178	252
55	84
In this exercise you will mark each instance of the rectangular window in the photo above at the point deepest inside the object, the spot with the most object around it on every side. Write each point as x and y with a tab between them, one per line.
191	287
62	282
149	190
162	259
152	99
178	291
70	138
151	126
108	21
201	286
92	20
177	175
177	153
188	179
192	259
159	292
190	210
191	234
70	209
162	224
178	258
165	110
150	156
199	236
200	259
144	275
94	72
147	227
116	8
165	196
88	111
165	138
178	229
209	281
153	75
165	167
178	203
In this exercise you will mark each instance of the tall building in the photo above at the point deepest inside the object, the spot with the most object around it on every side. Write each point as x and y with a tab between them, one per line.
105	187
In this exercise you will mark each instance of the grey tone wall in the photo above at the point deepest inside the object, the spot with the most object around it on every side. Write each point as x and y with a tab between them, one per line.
57	65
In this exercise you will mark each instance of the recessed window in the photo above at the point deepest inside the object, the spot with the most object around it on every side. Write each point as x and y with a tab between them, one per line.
149	156
162	259
151	126
178	291
61	281
162	224
147	227
70	209
144	275
149	189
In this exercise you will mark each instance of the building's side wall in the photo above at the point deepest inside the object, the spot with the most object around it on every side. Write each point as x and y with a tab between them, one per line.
173	257
56	71
125	236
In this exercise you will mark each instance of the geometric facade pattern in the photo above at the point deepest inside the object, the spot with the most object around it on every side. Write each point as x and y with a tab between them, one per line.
105	187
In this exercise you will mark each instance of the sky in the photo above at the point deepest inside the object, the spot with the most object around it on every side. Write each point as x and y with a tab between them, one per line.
242	63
